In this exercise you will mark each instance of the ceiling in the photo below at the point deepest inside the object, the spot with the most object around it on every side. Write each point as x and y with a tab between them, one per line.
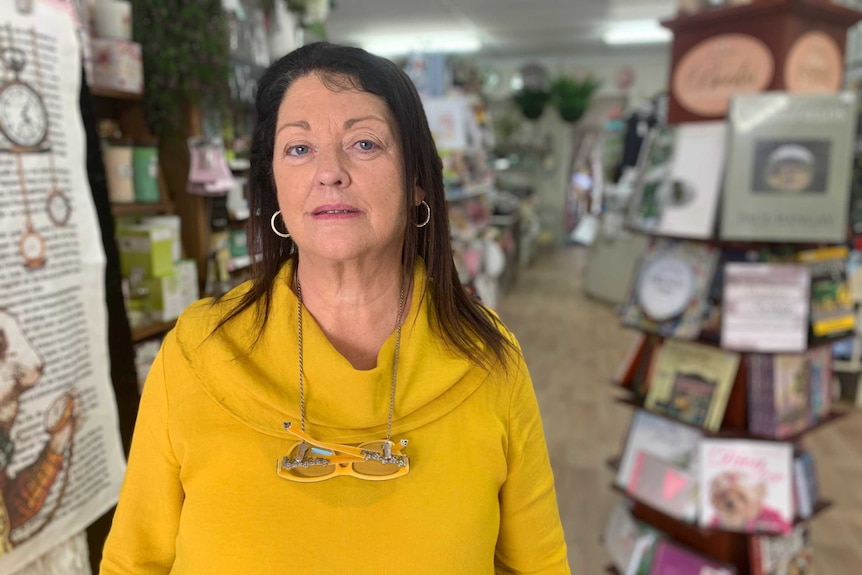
504	27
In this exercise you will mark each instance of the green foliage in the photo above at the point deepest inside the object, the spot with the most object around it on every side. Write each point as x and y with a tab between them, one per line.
531	102
185	56
572	97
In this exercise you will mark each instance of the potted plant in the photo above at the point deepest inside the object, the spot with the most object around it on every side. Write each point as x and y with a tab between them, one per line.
572	97
185	56
531	102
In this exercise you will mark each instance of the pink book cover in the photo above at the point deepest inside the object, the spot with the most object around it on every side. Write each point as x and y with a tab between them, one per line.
746	485
672	559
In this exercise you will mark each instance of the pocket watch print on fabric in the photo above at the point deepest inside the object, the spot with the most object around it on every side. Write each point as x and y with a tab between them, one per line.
24	123
57	205
23	116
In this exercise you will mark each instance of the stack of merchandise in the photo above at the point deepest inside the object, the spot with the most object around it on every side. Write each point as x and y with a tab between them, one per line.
158	283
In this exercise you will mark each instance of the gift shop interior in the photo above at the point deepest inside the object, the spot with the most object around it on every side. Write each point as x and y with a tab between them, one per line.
662	199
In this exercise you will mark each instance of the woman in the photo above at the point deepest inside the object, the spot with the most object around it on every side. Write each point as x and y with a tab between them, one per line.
349	409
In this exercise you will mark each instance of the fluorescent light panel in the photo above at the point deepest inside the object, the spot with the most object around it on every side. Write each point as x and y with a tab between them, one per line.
636	32
439	43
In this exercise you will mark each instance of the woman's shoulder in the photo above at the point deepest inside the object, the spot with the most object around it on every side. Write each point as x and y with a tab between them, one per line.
200	320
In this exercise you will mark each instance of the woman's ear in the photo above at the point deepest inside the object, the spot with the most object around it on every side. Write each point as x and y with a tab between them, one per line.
418	195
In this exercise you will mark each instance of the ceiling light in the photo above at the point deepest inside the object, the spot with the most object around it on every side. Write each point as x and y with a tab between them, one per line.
439	43
637	32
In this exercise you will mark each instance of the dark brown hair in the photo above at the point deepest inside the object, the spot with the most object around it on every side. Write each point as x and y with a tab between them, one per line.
466	325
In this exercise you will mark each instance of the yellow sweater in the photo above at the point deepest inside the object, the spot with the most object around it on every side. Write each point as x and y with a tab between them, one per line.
201	494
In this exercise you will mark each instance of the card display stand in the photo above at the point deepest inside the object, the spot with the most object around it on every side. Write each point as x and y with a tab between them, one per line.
777	24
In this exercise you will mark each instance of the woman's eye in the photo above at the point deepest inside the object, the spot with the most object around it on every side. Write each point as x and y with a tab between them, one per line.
297	150
366	145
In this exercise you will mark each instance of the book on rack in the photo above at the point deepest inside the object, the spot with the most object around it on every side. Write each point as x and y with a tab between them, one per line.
629	542
832	308
673	559
765	307
782	554
805	483
789	167
659	464
692	383
746	485
670	288
788	393
679	180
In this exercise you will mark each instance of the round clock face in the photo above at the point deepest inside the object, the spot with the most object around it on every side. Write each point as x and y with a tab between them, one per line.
32	247
23	118
665	288
59	208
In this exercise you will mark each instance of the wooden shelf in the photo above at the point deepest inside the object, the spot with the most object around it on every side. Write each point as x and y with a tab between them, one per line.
151	330
820	9
141	209
115	94
735	433
812	344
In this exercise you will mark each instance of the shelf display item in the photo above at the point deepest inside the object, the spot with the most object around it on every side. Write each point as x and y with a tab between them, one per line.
117	65
692	383
209	173
673	559
782	554
145	160
789	167
659	464
113	19
765	307
670	290
680	180
746	486
119	171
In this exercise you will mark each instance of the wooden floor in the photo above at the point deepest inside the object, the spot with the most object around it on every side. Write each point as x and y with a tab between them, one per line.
573	347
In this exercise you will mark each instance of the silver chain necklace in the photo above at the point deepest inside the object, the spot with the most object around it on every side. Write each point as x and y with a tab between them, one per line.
394	363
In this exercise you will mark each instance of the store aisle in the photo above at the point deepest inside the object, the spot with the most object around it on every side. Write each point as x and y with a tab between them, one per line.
573	347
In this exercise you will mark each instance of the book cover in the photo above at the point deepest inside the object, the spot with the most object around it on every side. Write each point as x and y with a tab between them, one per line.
832	308
783	554
626	540
680	180
670	288
673	559
820	362
663	486
672	442
765	307
692	383
746	485
805	483
792	392
711	325
788	173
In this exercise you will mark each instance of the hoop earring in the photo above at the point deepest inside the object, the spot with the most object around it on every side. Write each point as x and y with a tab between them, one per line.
272	225
427	217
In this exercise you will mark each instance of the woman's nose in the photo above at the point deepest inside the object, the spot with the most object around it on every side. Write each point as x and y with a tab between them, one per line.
332	167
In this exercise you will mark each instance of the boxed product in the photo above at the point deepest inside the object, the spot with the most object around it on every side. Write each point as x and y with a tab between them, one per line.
117	65
146	247
166	297
174	224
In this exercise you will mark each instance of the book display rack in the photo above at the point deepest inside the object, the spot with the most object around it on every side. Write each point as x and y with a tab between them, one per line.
739	295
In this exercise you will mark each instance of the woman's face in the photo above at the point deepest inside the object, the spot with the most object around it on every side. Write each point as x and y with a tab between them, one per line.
339	173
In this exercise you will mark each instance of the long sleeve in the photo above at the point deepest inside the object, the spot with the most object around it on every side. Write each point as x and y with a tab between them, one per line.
144	530
531	539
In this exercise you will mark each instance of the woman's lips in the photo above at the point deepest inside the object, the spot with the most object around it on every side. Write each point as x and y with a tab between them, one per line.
335	211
